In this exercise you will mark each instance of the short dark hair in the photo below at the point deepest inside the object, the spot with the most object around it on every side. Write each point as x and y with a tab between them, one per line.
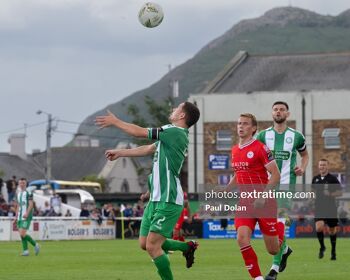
324	159
192	113
281	103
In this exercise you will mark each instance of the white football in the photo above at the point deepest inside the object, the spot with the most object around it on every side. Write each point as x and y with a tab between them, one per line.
151	15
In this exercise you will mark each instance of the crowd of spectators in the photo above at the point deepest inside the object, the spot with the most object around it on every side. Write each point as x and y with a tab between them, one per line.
53	207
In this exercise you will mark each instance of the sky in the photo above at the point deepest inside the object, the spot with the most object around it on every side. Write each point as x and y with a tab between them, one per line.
71	58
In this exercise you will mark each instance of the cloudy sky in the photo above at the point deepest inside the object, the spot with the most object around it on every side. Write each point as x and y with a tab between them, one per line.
71	58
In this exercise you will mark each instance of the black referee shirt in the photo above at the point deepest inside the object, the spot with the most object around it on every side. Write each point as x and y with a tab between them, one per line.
325	206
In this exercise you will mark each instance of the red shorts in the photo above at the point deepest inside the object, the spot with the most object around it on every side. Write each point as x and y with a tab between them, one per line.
268	226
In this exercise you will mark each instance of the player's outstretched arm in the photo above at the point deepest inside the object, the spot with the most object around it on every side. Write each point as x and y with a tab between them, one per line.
111	120
134	152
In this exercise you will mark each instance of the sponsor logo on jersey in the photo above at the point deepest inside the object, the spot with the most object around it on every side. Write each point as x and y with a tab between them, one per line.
289	140
250	154
281	155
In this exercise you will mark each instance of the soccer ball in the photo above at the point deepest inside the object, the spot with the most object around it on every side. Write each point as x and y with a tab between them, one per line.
151	15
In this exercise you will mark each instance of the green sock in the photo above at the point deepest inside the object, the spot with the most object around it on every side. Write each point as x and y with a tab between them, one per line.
277	258
30	240
163	265
174	245
24	243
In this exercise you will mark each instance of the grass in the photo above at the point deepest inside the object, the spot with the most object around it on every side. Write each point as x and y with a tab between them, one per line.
123	260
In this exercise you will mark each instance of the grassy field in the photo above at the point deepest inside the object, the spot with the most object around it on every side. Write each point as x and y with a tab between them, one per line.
123	260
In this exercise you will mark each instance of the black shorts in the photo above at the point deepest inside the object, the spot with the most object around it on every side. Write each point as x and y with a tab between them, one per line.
331	222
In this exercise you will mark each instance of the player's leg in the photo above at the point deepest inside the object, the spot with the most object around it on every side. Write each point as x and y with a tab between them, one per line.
28	238
22	232
320	236
279	261
145	225
160	259
188	249
332	224
273	232
245	228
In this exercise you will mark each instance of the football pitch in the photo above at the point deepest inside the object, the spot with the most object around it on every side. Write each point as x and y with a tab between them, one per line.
123	260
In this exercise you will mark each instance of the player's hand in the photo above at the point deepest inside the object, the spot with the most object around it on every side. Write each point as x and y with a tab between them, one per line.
299	171
105	121
144	196
112	154
25	215
259	203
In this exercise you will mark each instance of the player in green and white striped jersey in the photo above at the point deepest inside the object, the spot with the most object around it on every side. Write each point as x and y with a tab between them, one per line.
24	215
165	191
285	143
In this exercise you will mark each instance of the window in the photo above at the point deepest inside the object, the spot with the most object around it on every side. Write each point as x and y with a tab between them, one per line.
331	138
223	140
125	186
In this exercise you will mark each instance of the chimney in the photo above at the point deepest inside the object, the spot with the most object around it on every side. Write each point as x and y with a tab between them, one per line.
18	145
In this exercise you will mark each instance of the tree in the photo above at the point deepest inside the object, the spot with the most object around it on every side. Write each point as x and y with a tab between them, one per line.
159	113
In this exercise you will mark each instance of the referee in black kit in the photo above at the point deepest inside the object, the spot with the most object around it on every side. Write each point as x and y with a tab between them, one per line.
327	188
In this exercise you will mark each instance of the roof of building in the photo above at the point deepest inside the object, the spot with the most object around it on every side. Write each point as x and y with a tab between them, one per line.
283	73
73	163
14	165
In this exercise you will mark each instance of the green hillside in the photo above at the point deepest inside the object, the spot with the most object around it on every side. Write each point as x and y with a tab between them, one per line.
278	31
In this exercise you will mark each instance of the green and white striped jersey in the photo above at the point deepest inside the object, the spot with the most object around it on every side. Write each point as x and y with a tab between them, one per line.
164	182
23	198
284	147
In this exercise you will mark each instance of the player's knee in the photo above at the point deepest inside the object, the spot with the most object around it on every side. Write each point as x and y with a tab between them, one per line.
273	250
142	246
319	228
243	240
142	243
150	248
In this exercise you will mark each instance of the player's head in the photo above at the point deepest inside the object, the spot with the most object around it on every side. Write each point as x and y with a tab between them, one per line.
186	112
22	183
247	125
280	111
323	166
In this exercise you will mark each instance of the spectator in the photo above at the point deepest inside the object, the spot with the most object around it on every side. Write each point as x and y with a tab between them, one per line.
46	209
68	213
11	188
84	211
96	215
56	203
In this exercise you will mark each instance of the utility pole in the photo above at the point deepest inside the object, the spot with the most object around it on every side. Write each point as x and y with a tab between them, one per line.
48	144
48	148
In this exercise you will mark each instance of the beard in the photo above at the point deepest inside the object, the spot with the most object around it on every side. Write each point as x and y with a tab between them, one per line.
279	120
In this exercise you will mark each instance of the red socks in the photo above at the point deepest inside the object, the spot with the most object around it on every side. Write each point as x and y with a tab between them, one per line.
251	261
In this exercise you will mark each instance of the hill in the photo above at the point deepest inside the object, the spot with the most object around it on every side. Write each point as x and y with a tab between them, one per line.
278	31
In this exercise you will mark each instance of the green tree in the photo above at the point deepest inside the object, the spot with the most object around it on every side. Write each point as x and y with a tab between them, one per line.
158	112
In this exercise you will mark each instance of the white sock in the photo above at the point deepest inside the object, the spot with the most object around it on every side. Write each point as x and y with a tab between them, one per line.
285	250
259	278
275	267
